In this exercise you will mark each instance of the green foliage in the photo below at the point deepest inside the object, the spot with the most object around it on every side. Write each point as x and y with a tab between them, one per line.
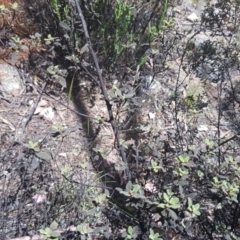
155	166
164	192
37	37
84	229
14	6
169	201
153	31
183	171
101	151
33	145
115	32
143	60
183	159
131	233
60	8
162	20
2	8
193	94
58	74
229	189
132	190
50	233
154	236
35	148
16	43
193	208
49	39
200	174
209	144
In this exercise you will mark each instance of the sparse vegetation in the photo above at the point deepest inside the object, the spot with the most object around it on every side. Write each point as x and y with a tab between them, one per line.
158	120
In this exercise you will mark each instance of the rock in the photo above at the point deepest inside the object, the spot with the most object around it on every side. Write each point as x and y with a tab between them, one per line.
193	17
10	80
150	85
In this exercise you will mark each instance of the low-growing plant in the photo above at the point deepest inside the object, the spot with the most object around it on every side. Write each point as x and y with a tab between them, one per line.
14	6
132	191
154	236
101	151
209	144
58	74
183	159
84	229
193	209
230	190
169	200
35	148
51	233
155	166
131	233
16	44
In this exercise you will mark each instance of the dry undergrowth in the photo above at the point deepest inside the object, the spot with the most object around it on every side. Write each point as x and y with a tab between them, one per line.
16	21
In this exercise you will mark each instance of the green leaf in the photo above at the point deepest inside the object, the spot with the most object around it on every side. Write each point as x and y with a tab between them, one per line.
43	155
169	192
151	232
48	231
33	144
129	186
14	5
174	200
136	188
43	231
209	143
54	225
62	81
196	212
52	70
183	158
196	206
84	165
155	166
189	202
130	230
55	234
166	197
82	228
156	235
200	174
64	26
162	205
172	214
175	206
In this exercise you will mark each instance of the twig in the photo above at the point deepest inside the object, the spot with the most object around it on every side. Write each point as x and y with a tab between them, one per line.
228	140
35	106
103	88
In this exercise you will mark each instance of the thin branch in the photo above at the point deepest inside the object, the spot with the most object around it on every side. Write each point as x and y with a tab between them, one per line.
103	88
34	106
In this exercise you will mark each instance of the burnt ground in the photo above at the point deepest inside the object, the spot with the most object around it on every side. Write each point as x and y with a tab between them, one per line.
58	156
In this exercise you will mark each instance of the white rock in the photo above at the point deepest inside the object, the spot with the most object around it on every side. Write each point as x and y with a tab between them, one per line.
202	128
150	85
151	115
193	17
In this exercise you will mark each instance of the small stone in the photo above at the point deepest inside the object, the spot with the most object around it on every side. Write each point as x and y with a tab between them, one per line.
151	115
193	17
10	80
202	128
